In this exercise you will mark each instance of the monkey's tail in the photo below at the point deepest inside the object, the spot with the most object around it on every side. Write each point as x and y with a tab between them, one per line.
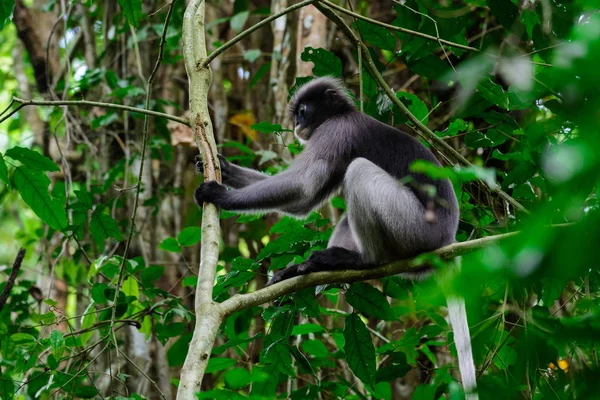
462	339
457	314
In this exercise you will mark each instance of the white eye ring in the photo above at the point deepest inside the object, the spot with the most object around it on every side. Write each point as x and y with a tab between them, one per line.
302	110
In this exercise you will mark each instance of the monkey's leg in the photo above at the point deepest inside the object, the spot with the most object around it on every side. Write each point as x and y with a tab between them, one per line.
342	253
386	218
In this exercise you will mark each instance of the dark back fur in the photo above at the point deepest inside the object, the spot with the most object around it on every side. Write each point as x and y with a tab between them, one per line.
347	134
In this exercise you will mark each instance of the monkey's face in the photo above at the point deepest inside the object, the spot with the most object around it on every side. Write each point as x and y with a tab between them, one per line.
304	117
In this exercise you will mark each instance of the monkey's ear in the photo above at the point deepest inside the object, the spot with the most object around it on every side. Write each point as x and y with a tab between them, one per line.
332	98
331	94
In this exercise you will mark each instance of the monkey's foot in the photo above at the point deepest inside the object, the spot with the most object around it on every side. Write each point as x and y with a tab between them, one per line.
198	164
286	273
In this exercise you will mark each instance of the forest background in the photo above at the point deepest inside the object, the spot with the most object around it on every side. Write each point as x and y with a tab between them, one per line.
105	299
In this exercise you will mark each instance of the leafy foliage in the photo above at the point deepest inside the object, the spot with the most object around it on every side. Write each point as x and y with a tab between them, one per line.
523	111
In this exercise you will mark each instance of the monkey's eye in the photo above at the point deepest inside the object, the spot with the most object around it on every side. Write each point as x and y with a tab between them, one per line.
302	110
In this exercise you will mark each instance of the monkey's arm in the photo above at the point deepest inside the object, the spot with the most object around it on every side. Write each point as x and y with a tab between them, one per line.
295	191
237	177
233	176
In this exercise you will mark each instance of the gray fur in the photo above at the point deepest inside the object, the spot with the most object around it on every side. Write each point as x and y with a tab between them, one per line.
350	150
386	220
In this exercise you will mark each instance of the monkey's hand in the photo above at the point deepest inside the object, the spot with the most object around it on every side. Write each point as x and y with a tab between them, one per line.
226	166
210	192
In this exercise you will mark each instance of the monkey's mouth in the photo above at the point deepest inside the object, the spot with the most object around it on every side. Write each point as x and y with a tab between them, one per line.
302	134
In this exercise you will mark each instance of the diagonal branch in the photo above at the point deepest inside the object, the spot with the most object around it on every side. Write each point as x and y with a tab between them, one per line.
250	30
270	293
398	28
422	130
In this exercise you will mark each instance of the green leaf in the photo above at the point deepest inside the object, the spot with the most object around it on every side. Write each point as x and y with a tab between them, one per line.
366	299
85	392
530	19
505	11
519	175
178	351
189	236
237	378
105	120
315	348
132	9
103	226
458	125
552	289
130	288
170	244
415	106
407	344
306	302
32	159
305	329
218	364
89	319
238	21
266	127
360	353
259	74
57	342
424	392
252	55
496	94
376	35
152	273
98	293
326	63
3	168
22	338
6	10
32	185
392	372
278	355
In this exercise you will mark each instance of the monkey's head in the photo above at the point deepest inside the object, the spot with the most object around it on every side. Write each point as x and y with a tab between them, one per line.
316	102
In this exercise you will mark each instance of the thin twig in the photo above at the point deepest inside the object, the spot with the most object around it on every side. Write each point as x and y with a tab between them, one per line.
398	28
12	278
162	395
143	157
138	190
250	30
52	103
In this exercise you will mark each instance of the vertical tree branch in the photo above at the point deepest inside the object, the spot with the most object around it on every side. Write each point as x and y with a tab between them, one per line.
208	313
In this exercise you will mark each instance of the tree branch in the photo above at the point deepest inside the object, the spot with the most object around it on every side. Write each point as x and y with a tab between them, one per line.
12	278
398	28
250	30
270	293
208	313
422	130
53	103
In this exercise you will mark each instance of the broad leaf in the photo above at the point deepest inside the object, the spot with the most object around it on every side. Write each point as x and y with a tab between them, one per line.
103	226
360	353
3	169
32	159
132	9
366	299
33	188
376	35
326	63
189	236
6	10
